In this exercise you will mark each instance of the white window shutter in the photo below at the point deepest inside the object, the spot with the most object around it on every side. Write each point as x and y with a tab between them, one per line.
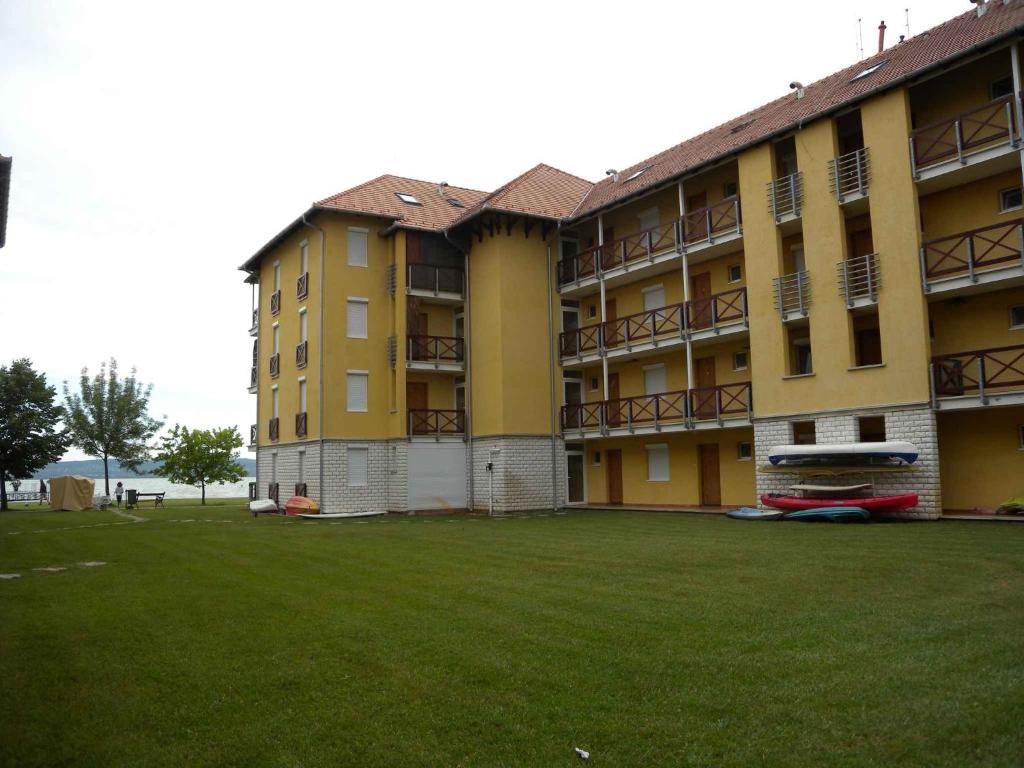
654	298
357	389
356	322
358	459
357	241
655	381
657	462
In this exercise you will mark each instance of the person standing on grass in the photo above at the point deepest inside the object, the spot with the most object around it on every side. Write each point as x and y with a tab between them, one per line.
119	492
42	491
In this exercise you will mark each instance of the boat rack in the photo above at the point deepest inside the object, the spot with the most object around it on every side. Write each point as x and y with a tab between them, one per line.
835	471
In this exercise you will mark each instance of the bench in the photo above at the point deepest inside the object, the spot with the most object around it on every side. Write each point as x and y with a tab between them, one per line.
135	498
25	496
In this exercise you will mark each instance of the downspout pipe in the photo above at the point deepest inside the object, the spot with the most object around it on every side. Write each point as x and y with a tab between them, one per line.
320	350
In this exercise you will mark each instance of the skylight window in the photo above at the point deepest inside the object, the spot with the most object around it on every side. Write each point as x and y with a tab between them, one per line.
869	71
408	199
740	126
455	203
635	175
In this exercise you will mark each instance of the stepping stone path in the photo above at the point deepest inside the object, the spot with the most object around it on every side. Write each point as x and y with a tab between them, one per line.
10	576
51	569
92	563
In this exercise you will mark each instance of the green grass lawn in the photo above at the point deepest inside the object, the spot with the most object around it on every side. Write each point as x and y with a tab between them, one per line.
648	639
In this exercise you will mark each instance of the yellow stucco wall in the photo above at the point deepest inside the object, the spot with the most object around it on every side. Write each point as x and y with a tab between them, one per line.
981	321
980	458
969	206
440	388
959	90
683	486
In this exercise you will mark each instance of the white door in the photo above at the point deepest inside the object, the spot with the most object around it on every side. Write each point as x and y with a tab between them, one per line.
437	475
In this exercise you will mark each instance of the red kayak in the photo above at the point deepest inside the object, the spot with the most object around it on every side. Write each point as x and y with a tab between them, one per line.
876	503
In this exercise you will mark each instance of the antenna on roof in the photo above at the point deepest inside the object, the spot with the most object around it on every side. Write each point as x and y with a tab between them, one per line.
906	11
860	40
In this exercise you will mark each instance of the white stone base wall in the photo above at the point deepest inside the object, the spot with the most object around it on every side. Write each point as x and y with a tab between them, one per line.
522	472
915	425
287	472
339	496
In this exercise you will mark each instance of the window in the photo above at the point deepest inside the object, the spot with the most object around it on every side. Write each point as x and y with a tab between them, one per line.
275	402
870	70
455	202
1020	436
277	276
871	429
569	248
592	311
356	327
801	360
408	199
735	273
867	341
1001	87
277	338
597	458
729	189
357	386
303	326
593	384
744	451
1010	200
303	257
803	433
654	297
358	457
635	175
648	219
357	239
740	126
1017	318
302	395
655	381
739	361
657	463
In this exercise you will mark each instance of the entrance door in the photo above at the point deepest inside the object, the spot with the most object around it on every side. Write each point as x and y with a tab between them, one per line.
710	483
704	380
614	406
860	244
460	404
700	300
696	218
416	403
570	323
577	477
612	336
613	460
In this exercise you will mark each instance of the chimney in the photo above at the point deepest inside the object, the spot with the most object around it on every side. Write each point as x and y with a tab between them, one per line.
982	6
613	173
881	37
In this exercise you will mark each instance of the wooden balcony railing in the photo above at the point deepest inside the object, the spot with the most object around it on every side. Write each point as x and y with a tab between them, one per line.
725	308
682	406
963	254
430	421
580	341
859	278
644	326
848	174
275	428
255	321
953	137
436	280
792	293
275	365
254	377
640	245
300	424
275	302
435	349
253	433
978	372
301	354
786	196
256	353
705	224
302	286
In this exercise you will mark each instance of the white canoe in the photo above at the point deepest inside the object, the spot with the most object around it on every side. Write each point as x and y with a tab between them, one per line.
836	489
855	453
262	506
338	515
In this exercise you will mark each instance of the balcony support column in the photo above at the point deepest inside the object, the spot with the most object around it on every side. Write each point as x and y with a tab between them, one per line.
604	312
685	319
1017	106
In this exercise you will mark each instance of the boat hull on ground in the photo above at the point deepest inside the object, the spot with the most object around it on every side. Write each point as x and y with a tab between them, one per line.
338	515
852	453
263	506
301	505
749	513
829	515
870	503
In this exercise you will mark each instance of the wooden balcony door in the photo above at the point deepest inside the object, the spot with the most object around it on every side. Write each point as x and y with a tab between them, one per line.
700	298
613	468
612	395
696	220
611	312
704	380
416	400
710	479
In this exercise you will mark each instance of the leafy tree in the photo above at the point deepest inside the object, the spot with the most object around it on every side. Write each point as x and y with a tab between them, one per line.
108	418
201	456
29	439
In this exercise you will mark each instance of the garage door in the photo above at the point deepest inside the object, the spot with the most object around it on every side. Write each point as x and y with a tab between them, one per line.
437	475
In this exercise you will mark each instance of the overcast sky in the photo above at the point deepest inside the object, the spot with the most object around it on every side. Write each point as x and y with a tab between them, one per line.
157	146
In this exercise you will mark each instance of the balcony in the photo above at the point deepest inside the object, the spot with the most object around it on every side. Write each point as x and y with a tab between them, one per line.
253	435
792	295
275	365
302	286
275	302
859	281
723	406
301	354
716	315
978	378
785	197
982	139
255	327
300	424
430	422
443	285
275	428
975	260
254	380
435	353
705	227
849	175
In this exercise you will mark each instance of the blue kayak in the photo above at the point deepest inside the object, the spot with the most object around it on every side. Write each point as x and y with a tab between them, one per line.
750	513
829	515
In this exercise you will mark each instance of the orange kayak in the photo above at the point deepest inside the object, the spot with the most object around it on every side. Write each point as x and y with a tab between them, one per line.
301	505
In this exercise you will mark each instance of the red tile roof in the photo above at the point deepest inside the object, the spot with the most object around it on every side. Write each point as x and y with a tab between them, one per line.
911	57
542	191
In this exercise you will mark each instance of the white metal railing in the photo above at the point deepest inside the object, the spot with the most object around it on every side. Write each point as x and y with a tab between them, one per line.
848	174
792	293
859	278
786	195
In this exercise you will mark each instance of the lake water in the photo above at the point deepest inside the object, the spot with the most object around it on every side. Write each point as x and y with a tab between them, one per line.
158	484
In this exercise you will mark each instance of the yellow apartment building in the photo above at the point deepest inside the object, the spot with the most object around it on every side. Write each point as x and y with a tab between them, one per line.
843	264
